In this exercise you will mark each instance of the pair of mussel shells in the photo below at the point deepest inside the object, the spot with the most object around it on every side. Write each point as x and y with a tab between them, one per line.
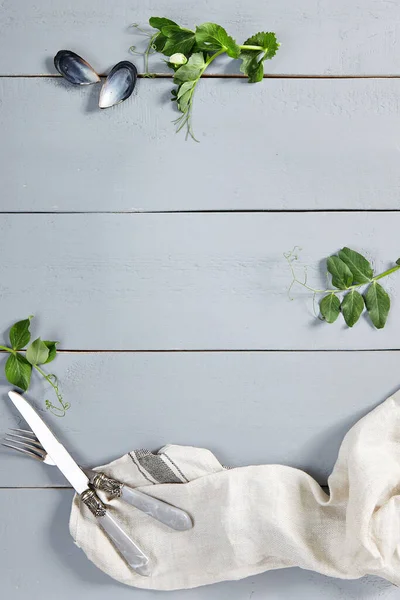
118	86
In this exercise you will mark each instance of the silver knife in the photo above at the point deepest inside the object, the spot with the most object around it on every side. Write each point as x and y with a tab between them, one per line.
130	551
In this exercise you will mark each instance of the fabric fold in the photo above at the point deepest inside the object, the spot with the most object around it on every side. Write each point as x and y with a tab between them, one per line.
252	519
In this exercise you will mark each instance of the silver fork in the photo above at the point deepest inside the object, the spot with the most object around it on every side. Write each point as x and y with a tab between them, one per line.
25	441
28	444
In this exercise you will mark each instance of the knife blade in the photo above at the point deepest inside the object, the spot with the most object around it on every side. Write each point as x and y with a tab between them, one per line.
133	555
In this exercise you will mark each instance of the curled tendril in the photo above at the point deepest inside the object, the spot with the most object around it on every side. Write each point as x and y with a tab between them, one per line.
149	50
292	256
58	411
138	28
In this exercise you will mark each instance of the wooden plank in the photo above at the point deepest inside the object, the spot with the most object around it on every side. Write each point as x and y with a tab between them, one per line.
248	408
284	144
187	281
47	562
318	37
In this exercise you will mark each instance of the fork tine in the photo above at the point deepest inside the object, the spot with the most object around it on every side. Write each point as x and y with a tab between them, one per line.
29	452
32	441
29	447
27	431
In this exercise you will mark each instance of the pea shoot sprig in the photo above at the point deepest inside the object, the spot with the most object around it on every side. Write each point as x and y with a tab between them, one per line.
190	53
350	272
18	367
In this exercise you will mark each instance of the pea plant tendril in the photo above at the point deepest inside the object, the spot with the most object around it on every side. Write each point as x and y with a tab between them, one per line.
18	367
350	273
189	53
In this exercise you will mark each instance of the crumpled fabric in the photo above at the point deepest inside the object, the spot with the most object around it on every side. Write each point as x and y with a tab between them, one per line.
252	519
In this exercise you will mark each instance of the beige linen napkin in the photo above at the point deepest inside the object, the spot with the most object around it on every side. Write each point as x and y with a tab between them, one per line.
252	519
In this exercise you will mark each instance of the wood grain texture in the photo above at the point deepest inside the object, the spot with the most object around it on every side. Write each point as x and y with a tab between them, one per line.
248	408
282	144
47	562
318	36
188	281
201	281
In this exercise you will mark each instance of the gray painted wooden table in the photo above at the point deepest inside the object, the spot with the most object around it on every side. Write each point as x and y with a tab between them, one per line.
170	302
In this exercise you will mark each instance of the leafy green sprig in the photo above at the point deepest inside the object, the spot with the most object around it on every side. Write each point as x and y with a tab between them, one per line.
190	53
18	368
350	272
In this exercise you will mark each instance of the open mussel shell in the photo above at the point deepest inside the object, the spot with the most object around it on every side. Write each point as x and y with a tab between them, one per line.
119	84
74	68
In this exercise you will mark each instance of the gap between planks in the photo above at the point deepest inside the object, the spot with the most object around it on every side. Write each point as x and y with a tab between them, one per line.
219	350
216	76
200	211
35	487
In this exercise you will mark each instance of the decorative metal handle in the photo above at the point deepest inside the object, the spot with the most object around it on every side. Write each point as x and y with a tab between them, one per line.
111	486
93	502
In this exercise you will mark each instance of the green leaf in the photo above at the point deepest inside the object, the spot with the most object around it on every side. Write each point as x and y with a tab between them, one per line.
37	353
359	266
213	38
184	94
18	371
342	277
185	87
257	73
52	347
352	307
398	261
253	60
178	40
330	308
184	102
377	302
187	77
160	22
159	43
251	66
20	334
192	70
267	41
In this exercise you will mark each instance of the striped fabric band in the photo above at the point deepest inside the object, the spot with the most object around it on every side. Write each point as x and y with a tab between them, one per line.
157	468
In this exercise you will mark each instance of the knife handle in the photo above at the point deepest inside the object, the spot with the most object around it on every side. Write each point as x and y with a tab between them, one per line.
134	556
173	517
